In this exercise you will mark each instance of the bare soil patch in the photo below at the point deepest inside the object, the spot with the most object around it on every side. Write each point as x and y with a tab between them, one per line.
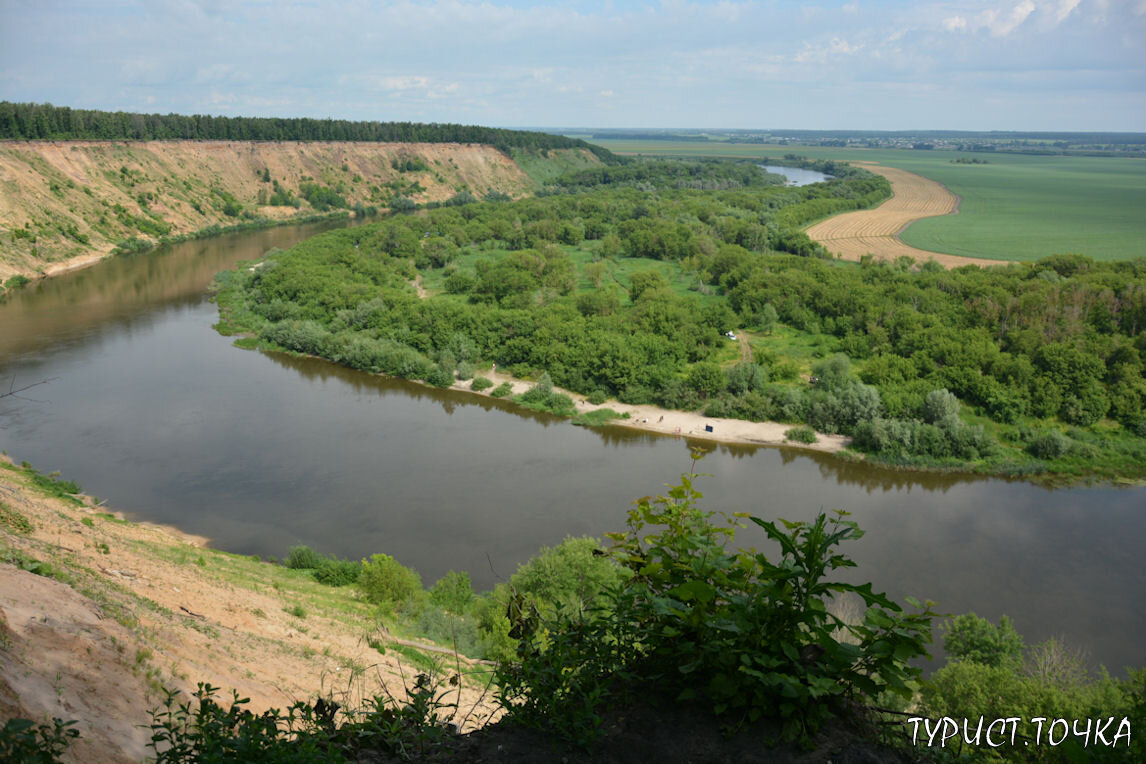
876	232
146	607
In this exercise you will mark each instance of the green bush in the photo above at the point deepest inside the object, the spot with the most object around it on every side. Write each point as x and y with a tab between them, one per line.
970	638
17	281
445	627
731	631
481	383
302	558
385	581
453	592
967	689
596	418
801	435
1049	444
335	572
570	577
540	392
501	390
23	740
597	397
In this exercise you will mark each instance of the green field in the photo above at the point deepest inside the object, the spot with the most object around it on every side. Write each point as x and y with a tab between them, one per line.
1016	207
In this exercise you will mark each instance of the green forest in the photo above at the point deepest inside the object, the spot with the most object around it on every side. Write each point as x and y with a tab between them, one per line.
31	121
624	282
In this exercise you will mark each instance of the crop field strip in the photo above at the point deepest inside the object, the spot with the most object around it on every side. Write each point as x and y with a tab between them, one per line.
855	234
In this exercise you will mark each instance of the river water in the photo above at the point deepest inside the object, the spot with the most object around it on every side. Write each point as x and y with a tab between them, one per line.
152	410
797	176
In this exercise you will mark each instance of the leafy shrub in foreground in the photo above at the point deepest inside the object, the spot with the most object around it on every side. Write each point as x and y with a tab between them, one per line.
23	740
732	631
481	383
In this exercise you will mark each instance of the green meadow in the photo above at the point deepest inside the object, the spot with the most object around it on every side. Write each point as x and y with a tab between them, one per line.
1015	207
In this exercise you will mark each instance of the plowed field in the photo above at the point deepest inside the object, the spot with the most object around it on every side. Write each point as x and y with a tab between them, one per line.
854	234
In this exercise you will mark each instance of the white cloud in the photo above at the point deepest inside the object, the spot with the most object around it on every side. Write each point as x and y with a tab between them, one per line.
955	24
402	83
1002	24
1064	9
820	53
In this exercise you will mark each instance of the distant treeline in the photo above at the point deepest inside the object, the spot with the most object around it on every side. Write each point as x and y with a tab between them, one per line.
744	136
30	121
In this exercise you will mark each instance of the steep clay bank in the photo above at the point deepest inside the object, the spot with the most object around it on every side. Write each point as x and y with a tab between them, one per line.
68	203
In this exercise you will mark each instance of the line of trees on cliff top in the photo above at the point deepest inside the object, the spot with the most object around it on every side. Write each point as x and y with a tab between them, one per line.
30	121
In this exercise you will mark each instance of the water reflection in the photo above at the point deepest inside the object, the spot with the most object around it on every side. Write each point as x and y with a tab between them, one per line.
124	291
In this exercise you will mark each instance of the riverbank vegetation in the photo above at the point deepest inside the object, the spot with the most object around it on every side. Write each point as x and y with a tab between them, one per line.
628	283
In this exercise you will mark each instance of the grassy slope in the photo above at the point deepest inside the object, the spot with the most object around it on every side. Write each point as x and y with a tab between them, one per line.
1014	208
171	613
543	167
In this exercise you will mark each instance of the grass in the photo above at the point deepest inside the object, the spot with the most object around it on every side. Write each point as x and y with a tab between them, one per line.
14	520
598	417
543	167
415	656
1015	207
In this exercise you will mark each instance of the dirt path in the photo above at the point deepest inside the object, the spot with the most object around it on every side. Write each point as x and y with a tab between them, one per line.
855	234
745	349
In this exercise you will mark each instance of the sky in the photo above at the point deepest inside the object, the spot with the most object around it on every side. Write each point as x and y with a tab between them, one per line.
1031	65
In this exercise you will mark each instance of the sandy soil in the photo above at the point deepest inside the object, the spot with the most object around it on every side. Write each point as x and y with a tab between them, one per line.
855	234
65	650
73	197
678	423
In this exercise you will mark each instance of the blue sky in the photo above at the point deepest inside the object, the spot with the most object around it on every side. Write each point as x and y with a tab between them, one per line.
952	64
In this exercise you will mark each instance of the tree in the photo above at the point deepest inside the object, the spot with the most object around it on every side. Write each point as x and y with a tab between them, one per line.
595	272
385	581
746	377
767	318
940	407
645	281
971	638
706	378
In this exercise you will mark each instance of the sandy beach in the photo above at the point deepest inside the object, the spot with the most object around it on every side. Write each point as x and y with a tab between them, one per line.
681	423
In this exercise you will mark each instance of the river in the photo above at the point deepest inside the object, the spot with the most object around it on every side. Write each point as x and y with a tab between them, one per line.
152	410
797	176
